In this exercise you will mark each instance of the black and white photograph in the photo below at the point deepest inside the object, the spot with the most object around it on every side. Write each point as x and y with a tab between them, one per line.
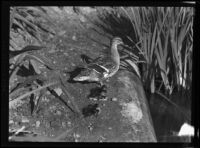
100	74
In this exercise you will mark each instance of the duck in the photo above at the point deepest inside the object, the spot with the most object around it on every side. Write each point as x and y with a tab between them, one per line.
103	67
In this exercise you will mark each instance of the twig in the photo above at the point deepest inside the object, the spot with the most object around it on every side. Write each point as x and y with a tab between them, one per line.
71	98
13	102
65	133
12	17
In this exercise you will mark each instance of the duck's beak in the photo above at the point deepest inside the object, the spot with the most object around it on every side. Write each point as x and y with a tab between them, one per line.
121	43
124	45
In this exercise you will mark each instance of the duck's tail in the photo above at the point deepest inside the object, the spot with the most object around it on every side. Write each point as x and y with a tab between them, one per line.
81	78
86	75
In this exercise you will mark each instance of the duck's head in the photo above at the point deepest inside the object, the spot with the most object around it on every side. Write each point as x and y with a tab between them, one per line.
117	41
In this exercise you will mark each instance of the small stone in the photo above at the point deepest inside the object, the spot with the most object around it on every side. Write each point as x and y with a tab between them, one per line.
47	124
52	50
52	135
37	124
82	19
58	112
69	123
103	94
65	53
103	99
61	33
72	64
24	120
45	74
48	93
58	91
63	124
113	99
74	38
78	136
90	127
45	99
11	122
93	99
101	139
110	128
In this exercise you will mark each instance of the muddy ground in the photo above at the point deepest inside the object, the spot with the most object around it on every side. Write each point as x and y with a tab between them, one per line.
52	119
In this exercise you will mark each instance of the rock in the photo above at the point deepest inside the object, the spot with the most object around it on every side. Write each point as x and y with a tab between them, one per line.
74	38
11	121
25	120
127	120
63	124
102	98
87	9
90	127
132	112
110	128
58	91
113	99
69	123
58	112
37	125
93	99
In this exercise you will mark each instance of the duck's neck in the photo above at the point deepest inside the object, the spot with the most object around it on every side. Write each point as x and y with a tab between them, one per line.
114	53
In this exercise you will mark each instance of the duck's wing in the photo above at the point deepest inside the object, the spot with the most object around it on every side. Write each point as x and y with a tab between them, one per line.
109	64
93	71
98	60
97	68
87	75
102	65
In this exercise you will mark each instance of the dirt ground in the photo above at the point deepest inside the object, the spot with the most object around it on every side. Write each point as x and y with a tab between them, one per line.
52	119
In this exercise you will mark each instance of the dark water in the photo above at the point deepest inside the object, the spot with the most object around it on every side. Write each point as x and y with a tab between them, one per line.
168	118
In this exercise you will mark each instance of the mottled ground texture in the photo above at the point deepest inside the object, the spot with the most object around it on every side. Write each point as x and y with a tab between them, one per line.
118	113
